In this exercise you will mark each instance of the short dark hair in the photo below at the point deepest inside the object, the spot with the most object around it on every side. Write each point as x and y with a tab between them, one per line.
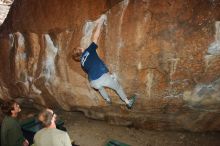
8	106
77	54
46	117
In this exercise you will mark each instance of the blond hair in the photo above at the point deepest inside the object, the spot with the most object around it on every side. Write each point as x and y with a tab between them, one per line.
77	54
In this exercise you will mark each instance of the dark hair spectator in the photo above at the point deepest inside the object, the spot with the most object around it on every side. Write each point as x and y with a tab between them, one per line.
11	134
7	107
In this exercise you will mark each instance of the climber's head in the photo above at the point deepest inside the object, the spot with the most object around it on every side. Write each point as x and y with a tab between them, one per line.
77	52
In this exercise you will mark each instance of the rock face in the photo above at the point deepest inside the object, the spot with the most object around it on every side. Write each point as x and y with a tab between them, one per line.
167	52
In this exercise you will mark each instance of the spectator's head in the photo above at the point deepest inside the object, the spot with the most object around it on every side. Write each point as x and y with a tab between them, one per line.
47	117
77	52
10	108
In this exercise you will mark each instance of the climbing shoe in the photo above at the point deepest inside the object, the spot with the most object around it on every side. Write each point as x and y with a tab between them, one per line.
108	101
131	102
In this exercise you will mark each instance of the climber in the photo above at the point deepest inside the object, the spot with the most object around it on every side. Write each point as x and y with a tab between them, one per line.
98	74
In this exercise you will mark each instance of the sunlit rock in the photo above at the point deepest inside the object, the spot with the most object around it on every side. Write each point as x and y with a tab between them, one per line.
168	53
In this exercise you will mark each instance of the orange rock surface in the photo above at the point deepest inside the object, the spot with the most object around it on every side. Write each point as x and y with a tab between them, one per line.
167	52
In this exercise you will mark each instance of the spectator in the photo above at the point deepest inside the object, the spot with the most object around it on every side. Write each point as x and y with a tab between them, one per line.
50	135
11	134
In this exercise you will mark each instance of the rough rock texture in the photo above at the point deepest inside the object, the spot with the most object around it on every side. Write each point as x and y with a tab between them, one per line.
167	52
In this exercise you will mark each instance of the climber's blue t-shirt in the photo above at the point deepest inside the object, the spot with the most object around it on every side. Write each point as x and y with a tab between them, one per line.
92	64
